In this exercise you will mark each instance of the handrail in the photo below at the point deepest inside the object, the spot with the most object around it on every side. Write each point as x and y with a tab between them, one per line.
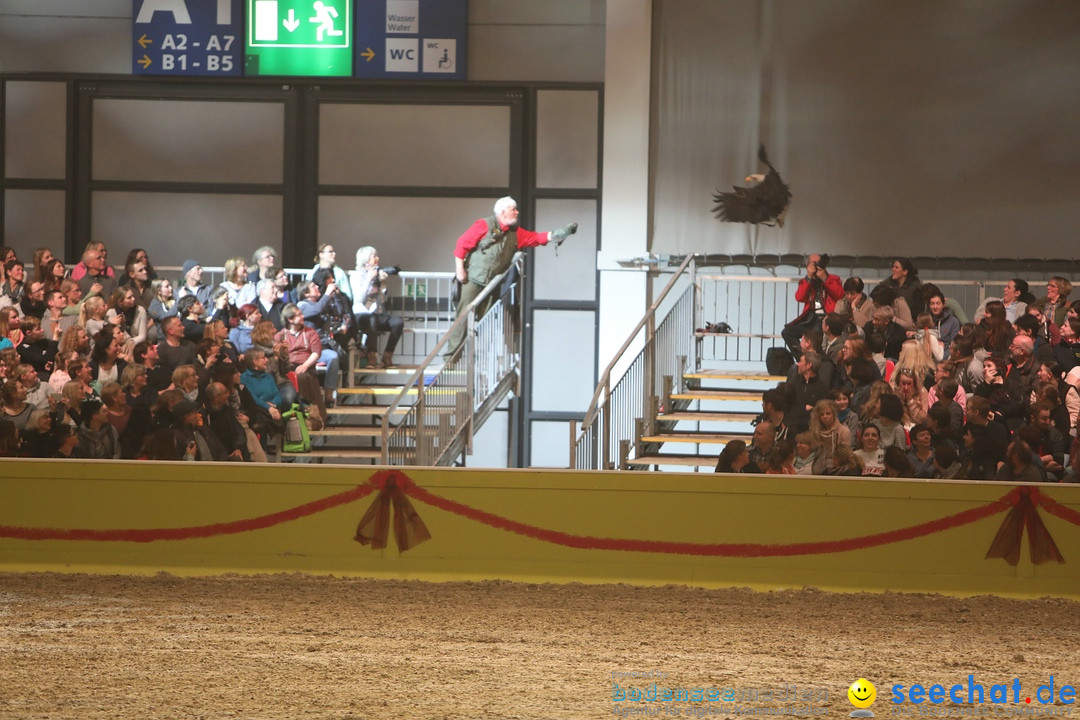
416	379
605	377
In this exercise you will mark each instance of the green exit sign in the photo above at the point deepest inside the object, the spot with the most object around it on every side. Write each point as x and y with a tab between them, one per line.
299	37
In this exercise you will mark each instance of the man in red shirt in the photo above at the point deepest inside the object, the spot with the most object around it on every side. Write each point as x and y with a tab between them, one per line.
486	250
818	292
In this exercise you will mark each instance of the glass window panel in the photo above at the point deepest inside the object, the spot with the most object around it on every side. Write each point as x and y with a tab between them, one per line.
567	131
176	226
564	360
35	142
415	233
550	444
34	218
450	145
570	275
188	141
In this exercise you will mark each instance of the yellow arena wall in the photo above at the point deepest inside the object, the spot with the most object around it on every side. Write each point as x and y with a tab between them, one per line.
763	531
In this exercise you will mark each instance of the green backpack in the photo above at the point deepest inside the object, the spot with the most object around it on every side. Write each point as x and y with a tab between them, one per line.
296	438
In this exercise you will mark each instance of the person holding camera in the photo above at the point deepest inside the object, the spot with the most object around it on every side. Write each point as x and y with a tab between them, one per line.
818	292
369	297
485	250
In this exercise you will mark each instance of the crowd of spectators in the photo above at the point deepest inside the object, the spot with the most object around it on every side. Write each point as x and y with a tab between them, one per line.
901	383
104	362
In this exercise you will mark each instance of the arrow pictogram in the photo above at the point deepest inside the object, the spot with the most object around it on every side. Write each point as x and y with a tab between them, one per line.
291	23
145	61
369	54
144	41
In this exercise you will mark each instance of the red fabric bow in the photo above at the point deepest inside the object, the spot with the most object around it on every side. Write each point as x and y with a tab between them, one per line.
374	527
1006	543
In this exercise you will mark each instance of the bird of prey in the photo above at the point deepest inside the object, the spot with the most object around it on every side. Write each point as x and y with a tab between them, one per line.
764	202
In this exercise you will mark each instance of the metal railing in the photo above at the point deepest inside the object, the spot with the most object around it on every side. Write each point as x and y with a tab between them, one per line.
451	403
755	306
611	421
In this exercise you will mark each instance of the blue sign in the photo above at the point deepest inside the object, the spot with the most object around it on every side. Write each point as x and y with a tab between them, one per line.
187	37
411	39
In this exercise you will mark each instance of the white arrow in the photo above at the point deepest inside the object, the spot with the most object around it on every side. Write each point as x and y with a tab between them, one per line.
291	23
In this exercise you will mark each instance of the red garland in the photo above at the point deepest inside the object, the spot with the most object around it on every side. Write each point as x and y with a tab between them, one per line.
203	531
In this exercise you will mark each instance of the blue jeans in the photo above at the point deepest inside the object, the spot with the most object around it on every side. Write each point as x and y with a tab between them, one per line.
333	368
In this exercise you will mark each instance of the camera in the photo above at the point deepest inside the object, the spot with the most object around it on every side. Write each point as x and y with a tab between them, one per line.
392	270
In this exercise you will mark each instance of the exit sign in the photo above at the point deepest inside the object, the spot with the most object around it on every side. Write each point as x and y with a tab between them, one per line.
299	37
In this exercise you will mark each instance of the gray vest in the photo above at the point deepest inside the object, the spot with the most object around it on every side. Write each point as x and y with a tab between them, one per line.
492	255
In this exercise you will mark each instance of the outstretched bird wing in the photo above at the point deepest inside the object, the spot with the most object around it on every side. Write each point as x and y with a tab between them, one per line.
761	203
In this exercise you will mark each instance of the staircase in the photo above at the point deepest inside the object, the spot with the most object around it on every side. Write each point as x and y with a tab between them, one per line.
693	425
425	414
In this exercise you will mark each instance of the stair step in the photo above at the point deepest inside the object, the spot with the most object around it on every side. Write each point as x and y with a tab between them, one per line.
710	438
723	395
731	375
362	454
348	431
699	415
368	390
376	410
675	459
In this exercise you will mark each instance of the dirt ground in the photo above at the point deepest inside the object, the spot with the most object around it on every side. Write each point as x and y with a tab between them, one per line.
81	646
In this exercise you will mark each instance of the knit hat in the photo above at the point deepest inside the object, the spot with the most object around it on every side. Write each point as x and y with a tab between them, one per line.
188	264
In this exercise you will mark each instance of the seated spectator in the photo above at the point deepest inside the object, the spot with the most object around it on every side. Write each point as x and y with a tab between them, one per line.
999	333
174	349
805	454
845	463
883	323
921	454
66	439
106	361
1021	372
191	283
191	440
369	307
897	464
33	303
54	322
191	313
1055	302
994	437
163	304
735	458
98	439
285	291
886	297
890	422
826	433
854	303
34	349
947	371
132	316
913	396
1005	406
137	277
304	349
117	411
186	379
774	403
16	409
55	274
946	462
763	441
1018	467
240	291
812	341
160	445
806	389
222	422
1012	297
904	279
330	317
841	397
37	392
247	317
260	384
92	273
781	459
1047	442
163	412
218	348
870	453
158	376
326	261
262	265
13	288
946	394
269	302
927	336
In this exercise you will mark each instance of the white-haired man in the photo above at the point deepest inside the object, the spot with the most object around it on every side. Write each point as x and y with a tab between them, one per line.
486	250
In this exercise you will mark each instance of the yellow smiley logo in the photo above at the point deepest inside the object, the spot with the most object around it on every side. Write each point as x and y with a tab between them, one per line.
862	693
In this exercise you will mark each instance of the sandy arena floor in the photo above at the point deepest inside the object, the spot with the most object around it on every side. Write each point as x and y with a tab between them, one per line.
80	646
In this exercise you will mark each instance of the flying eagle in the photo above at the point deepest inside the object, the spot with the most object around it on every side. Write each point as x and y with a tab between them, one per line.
764	202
